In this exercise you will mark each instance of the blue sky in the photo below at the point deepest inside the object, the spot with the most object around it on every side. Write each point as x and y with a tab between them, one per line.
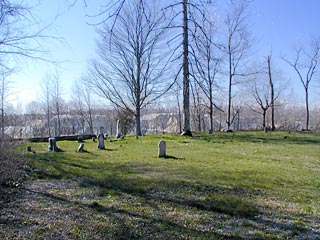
276	25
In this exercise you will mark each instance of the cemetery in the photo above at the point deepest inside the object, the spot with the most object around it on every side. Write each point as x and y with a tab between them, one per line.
154	119
240	185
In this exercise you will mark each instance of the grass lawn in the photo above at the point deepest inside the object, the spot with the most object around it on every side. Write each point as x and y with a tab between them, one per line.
242	185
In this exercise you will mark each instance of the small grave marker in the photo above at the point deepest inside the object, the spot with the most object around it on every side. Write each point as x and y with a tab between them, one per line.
81	147
162	149
101	141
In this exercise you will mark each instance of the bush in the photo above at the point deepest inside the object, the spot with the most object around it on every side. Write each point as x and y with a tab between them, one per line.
12	167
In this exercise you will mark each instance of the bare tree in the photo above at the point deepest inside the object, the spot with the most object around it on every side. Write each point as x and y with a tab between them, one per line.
206	65
20	34
260	92
272	97
113	11
236	49
52	101
305	64
193	15
130	72
266	91
82	96
46	101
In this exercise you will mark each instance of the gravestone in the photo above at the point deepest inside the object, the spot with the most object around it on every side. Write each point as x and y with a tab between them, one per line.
93	139
119	133
53	145
80	139
162	149
29	149
101	141
81	147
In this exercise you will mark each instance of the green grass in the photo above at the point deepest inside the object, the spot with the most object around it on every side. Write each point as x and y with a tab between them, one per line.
246	175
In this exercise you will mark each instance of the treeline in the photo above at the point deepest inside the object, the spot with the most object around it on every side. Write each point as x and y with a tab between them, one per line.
153	120
195	58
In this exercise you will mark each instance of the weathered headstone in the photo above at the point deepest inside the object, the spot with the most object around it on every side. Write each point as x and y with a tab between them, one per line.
162	149
93	139
53	145
101	141
119	133
81	147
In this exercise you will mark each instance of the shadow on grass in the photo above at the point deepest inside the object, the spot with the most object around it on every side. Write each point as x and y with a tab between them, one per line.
172	157
262	137
158	223
129	223
126	182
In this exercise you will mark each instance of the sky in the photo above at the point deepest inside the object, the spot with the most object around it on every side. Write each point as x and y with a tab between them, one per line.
277	25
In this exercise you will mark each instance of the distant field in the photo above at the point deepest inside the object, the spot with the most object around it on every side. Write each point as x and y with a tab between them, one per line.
242	185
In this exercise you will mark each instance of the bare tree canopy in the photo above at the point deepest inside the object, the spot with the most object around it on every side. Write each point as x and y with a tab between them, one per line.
235	48
306	63
131	69
21	35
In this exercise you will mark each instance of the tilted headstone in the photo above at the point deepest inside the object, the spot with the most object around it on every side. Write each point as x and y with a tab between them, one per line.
162	149
101	141
81	147
119	133
53	145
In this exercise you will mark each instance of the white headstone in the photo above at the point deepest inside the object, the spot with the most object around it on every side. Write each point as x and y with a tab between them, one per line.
53	145
162	149
81	147
101	141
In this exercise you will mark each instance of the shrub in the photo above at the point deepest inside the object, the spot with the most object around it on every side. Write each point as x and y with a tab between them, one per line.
12	167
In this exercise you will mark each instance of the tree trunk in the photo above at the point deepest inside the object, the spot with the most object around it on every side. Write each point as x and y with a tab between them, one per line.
211	117
186	100
211	107
48	121
179	114
307	109
229	103
271	94
264	119
138	125
2	110
91	122
230	85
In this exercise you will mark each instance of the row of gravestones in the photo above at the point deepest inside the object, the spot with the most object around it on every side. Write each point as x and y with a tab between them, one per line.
53	146
53	143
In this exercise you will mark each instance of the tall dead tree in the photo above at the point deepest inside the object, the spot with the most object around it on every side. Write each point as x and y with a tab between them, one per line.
272	97
235	49
305	64
186	81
